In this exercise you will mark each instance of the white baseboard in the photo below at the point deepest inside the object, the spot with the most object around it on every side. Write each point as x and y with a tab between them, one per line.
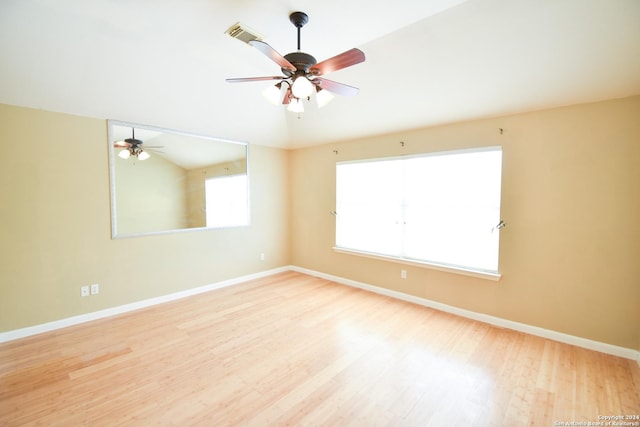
627	353
503	323
88	317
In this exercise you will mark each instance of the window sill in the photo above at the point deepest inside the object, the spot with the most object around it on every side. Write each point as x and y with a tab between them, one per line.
495	276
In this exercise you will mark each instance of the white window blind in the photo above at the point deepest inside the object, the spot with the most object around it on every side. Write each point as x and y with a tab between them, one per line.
440	208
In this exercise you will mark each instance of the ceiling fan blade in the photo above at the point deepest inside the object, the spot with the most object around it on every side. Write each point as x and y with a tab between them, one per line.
273	55
253	79
337	88
121	144
338	62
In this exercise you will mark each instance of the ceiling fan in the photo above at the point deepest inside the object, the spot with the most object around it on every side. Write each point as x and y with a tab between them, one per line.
301	72
132	147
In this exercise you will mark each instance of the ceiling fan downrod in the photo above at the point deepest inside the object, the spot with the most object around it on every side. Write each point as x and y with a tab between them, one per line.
300	60
133	139
299	19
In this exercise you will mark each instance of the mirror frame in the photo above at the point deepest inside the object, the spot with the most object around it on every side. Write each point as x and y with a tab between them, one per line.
112	178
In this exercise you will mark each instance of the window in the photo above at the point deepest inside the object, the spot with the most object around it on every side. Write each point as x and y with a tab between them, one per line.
440	208
226	201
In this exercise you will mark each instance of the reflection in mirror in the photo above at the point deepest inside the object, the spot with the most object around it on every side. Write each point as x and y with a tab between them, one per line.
164	181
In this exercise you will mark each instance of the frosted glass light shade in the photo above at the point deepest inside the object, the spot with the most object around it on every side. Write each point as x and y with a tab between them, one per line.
323	97
272	94
302	87
296	106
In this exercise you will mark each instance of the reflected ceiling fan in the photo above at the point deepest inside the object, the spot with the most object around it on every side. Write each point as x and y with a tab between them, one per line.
132	147
301	72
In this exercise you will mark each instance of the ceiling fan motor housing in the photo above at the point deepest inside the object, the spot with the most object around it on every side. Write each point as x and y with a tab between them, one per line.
134	142
302	61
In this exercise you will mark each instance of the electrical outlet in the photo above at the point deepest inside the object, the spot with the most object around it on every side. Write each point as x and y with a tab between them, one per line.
403	274
84	291
95	289
262	257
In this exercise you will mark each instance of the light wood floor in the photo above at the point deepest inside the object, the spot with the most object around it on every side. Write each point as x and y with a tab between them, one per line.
297	350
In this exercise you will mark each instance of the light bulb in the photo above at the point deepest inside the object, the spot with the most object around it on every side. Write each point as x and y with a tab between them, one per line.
124	154
323	97
272	94
143	155
296	106
302	87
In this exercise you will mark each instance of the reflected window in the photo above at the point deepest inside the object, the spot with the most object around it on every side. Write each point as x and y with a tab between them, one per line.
226	201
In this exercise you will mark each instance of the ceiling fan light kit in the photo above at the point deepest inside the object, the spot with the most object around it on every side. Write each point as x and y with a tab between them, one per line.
301	72
131	147
323	97
296	106
273	93
302	87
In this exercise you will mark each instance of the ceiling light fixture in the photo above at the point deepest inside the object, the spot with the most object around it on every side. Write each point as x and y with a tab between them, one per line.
302	87
296	106
323	97
301	72
137	152
272	94
131	147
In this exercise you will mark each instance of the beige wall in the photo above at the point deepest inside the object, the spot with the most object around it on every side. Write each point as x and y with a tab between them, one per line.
145	188
55	225
570	254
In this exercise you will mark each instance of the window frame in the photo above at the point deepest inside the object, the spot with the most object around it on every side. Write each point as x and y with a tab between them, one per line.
459	269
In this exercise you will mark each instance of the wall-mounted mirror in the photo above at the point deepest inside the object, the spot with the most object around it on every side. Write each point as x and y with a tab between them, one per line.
165	181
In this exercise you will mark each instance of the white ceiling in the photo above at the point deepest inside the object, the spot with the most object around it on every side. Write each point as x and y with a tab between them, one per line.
164	63
184	150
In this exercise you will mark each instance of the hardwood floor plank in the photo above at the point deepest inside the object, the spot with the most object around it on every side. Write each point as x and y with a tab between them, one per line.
292	349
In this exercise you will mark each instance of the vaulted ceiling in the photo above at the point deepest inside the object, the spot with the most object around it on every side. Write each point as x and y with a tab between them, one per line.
164	63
